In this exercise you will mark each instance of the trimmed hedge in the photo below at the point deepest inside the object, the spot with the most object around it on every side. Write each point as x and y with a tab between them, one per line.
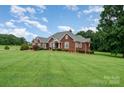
58	49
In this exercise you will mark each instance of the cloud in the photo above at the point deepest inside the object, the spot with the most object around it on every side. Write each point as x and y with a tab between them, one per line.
79	14
30	10
10	24
65	28
96	20
26	19
22	32
20	11
72	7
40	8
45	19
93	20
17	10
36	24
93	9
19	32
3	31
88	28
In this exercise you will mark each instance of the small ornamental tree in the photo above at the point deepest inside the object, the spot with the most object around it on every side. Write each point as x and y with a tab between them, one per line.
6	48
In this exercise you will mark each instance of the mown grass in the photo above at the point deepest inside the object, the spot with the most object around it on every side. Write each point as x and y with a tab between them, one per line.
52	68
10	46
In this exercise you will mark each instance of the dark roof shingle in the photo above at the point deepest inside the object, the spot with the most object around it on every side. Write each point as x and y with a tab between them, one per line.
59	36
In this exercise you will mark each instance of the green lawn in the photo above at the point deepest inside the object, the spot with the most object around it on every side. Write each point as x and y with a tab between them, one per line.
11	47
50	68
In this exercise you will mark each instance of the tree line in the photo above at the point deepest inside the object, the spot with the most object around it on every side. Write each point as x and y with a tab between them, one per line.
110	34
10	39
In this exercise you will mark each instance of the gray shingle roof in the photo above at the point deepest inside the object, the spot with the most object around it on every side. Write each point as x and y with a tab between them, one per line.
79	38
44	40
59	36
76	38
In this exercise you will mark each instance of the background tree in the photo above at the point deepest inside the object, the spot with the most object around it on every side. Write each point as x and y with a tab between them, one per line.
111	27
88	34
6	39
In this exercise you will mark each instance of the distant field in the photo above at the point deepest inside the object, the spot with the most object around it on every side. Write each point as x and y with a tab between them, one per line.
52	68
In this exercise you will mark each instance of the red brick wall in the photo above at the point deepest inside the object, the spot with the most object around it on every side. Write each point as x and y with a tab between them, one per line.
84	46
71	43
51	40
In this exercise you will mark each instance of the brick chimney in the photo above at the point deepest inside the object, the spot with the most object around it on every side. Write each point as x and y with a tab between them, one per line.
70	30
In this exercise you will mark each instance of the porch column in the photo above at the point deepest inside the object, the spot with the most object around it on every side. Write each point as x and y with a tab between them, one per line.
85	47
75	47
58	45
53	45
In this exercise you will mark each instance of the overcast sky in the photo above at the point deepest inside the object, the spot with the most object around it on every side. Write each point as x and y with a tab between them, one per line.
32	21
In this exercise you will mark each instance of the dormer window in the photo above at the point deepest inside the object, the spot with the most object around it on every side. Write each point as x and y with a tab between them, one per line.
66	37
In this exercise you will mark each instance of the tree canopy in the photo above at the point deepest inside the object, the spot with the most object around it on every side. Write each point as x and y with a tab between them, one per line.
6	39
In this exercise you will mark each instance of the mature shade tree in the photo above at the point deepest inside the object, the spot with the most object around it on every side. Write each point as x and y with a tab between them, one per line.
120	29
111	29
88	34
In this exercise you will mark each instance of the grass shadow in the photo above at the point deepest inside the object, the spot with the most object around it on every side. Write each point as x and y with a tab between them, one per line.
108	54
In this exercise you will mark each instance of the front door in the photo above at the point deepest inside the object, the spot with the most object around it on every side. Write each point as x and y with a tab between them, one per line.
56	45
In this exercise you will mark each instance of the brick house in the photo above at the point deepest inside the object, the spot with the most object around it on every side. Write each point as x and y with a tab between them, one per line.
65	41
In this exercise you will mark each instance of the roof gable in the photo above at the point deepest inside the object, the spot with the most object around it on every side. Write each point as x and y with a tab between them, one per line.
65	35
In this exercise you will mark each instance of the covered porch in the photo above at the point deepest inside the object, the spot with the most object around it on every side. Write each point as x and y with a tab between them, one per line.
55	45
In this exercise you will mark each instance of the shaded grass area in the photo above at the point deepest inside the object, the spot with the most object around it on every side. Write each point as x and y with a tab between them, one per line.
52	68
109	54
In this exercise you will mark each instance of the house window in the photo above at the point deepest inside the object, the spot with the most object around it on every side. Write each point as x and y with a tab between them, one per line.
78	45
66	37
53	45
43	45
66	45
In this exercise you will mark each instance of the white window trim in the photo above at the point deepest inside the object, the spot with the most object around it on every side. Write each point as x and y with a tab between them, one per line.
66	45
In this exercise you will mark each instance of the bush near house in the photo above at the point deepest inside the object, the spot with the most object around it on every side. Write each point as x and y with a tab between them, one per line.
24	47
6	47
58	49
35	47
